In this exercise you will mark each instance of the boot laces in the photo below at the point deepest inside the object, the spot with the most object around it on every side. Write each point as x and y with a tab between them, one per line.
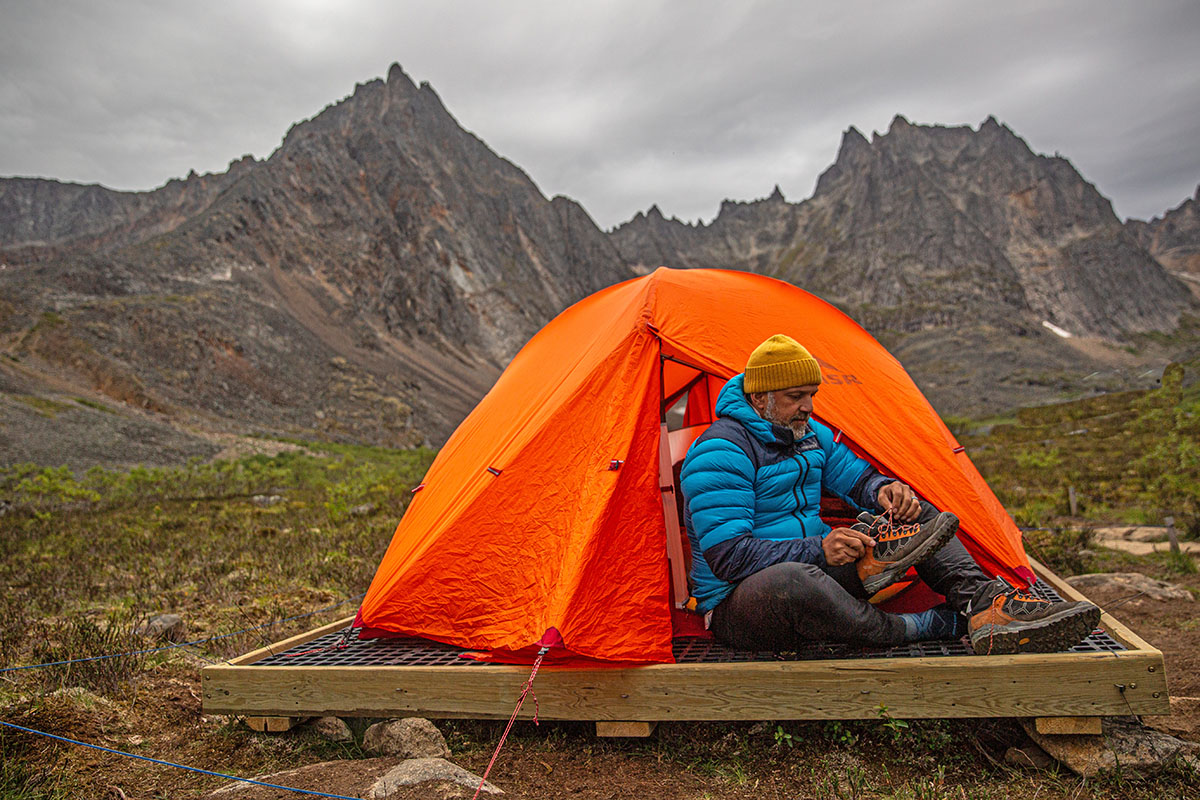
1020	599
885	528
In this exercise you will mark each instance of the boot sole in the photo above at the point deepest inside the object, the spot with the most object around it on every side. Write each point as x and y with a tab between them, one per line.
1052	634
876	583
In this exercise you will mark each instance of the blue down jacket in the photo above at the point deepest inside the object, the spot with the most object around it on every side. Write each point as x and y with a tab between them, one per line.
753	494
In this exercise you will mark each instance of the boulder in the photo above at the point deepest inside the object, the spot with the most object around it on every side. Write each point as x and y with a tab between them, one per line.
1028	757
1125	745
1183	721
333	729
423	770
1141	533
170	627
412	737
1130	583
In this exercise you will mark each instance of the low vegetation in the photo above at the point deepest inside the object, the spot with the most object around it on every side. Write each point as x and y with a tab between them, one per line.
228	545
1131	457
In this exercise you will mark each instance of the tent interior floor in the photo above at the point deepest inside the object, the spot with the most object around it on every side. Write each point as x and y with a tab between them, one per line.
326	672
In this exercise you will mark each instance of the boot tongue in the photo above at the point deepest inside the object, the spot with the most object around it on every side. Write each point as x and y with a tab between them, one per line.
985	595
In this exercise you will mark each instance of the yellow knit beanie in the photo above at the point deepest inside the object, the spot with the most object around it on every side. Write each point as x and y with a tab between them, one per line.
780	363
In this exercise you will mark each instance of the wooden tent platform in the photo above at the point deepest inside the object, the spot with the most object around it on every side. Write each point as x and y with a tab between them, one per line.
1113	673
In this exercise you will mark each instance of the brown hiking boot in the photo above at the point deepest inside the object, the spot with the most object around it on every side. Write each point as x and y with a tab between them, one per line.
898	547
1012	621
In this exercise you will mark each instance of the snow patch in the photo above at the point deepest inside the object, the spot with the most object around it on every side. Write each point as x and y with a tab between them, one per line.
1055	329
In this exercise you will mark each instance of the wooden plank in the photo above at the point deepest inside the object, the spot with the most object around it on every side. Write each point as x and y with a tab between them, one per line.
1024	685
270	724
629	729
1067	725
294	641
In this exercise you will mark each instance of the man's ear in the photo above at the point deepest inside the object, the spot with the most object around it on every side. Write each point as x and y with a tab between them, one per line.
758	401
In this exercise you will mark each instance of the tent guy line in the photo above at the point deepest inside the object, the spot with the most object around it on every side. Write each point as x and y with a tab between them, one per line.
172	763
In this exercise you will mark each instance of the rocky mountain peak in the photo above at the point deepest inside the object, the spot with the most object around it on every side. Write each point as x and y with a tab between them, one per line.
852	142
397	75
380	236
944	234
368	280
899	124
1174	239
852	151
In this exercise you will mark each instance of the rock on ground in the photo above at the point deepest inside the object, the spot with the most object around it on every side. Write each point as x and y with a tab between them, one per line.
422	770
1131	583
352	778
1139	533
1028	757
1141	541
333	729
170	627
411	737
1183	721
1128	746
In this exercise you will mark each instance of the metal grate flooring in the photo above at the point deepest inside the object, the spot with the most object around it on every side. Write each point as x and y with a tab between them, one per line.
344	649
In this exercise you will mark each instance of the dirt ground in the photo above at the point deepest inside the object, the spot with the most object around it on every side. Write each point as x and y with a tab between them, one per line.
162	718
1174	628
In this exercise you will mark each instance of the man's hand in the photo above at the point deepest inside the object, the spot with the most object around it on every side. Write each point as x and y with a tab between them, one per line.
902	501
845	546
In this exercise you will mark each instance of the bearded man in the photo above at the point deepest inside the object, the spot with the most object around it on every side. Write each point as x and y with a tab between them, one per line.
770	574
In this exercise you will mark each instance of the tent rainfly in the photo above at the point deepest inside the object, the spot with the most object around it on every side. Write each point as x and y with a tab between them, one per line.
542	520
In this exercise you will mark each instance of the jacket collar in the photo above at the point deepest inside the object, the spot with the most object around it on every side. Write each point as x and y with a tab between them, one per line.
732	403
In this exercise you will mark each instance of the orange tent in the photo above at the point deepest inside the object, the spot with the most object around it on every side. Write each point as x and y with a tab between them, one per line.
544	512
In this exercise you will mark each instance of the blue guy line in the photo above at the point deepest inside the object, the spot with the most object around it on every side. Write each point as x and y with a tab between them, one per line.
177	766
183	644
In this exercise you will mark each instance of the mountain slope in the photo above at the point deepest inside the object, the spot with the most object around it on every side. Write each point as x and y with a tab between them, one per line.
370	278
366	281
1174	239
953	246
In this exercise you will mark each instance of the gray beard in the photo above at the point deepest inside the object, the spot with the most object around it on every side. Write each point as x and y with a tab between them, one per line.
770	415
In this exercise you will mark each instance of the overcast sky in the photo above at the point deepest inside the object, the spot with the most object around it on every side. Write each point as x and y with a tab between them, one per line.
618	105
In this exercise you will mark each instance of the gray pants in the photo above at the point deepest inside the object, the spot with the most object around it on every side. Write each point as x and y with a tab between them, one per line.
783	606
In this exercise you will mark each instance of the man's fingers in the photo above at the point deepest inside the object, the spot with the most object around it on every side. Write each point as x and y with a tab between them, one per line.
845	545
901	500
862	539
908	509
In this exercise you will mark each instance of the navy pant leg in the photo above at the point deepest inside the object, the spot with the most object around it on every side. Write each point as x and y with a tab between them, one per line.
788	604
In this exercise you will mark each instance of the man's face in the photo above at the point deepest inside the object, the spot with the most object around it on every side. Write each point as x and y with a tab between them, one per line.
790	408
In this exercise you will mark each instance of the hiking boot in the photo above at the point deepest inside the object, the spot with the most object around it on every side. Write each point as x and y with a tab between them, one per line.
898	547
1012	621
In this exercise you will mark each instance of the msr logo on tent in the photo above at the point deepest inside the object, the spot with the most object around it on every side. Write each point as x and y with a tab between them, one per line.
833	375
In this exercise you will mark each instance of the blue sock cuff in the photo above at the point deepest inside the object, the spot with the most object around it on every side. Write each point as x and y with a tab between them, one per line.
936	623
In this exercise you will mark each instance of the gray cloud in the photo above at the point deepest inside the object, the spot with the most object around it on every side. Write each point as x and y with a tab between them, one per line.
619	104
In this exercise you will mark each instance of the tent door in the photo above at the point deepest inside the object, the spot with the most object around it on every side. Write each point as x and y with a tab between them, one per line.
672	447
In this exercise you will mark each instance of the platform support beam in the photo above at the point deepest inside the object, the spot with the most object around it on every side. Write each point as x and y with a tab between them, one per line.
632	729
1067	725
271	724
